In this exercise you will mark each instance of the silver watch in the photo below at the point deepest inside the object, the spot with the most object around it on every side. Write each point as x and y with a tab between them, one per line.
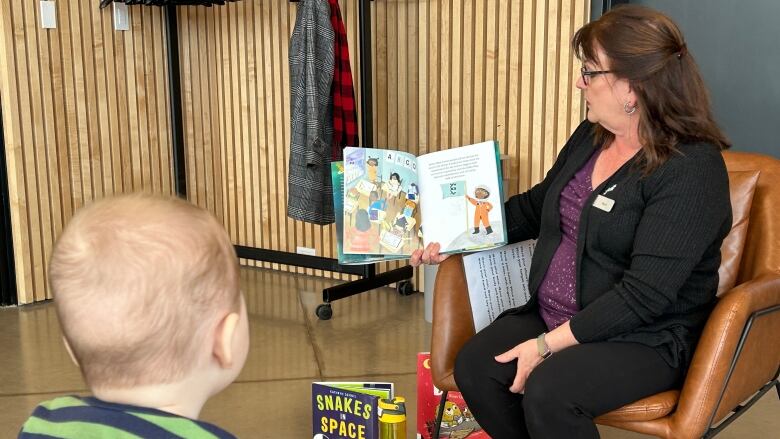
541	346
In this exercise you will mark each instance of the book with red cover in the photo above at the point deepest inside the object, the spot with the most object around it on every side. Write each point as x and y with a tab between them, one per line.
457	422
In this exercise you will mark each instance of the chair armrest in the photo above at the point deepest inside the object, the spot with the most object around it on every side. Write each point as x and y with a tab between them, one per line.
757	363
453	323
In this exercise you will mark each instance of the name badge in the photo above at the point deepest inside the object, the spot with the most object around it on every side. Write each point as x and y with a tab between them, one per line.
604	203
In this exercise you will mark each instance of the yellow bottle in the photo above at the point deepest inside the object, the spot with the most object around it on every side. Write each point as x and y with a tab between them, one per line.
392	418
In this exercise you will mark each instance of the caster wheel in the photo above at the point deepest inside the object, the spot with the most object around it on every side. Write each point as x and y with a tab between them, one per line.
324	311
404	288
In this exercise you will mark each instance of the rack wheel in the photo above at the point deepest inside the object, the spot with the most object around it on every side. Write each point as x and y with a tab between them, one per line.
404	288
324	311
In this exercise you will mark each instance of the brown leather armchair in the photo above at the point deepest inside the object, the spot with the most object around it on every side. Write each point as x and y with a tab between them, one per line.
738	355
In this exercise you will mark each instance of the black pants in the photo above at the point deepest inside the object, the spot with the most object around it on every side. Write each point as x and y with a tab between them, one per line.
565	392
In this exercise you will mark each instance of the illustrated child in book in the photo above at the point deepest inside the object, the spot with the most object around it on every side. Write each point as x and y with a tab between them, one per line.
395	183
146	291
413	193
373	165
481	193
409	208
363	238
375	205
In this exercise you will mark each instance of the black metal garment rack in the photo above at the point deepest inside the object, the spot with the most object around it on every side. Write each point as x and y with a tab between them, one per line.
371	279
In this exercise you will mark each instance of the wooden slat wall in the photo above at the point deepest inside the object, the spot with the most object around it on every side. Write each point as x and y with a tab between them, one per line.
85	114
445	73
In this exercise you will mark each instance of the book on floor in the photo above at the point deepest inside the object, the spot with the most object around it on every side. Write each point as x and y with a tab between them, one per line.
393	202
347	410
457	420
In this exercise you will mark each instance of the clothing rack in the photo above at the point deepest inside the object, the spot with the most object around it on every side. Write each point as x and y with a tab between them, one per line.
370	278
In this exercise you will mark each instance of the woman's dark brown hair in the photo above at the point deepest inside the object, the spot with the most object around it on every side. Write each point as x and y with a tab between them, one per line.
647	48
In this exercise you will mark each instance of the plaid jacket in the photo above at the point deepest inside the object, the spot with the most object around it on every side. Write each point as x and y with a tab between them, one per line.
309	195
344	116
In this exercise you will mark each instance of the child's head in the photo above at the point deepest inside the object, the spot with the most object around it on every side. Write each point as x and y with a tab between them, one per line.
146	290
372	161
481	192
373	196
395	176
362	222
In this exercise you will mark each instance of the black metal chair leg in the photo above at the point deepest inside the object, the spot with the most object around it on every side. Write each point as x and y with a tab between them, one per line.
439	415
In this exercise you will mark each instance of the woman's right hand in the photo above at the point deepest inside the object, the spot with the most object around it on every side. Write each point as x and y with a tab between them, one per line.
430	255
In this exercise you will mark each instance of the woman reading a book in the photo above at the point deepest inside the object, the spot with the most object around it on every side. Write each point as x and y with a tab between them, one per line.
629	222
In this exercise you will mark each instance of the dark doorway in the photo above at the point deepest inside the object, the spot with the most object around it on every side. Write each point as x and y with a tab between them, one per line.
7	273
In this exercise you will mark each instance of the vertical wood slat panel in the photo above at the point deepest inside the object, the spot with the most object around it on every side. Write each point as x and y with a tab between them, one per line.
518	88
85	115
445	73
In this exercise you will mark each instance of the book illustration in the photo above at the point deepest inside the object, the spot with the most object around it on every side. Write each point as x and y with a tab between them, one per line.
457	420
384	184
468	197
478	222
497	280
347	410
348	204
482	209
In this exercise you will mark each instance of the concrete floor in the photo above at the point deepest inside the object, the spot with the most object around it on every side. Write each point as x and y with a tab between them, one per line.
374	336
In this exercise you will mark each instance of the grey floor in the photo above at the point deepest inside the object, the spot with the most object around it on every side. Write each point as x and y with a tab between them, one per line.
374	336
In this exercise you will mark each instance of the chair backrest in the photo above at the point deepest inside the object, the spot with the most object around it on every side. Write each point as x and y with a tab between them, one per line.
710	391
761	252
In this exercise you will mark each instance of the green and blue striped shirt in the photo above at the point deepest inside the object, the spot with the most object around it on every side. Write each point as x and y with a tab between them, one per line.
90	418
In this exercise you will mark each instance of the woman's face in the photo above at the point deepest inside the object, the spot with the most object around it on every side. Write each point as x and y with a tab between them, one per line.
605	95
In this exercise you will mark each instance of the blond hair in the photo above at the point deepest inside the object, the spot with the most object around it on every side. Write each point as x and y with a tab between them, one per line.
137	281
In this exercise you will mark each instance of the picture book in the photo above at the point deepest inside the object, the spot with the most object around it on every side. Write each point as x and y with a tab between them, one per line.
457	420
347	410
394	203
497	280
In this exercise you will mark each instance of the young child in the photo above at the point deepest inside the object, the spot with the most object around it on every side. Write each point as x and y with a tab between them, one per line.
146	291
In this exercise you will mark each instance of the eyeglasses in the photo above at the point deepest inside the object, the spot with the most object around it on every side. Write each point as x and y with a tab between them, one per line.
586	74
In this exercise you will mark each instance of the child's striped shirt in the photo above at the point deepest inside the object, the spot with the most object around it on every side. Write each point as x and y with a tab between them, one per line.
76	417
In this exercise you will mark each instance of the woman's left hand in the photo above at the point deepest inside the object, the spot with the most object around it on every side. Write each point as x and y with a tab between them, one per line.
528	358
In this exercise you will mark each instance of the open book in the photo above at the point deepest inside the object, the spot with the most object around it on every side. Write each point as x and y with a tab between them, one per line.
394	203
498	280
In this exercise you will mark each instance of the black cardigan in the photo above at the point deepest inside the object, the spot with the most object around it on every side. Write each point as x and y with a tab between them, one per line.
647	271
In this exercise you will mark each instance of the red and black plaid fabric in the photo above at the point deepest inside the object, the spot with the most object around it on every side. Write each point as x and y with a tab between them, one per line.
344	115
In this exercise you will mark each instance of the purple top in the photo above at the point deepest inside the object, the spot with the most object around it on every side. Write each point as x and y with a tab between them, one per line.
557	300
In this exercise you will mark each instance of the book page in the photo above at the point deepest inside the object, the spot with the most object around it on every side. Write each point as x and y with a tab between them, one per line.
461	189
498	280
380	202
337	176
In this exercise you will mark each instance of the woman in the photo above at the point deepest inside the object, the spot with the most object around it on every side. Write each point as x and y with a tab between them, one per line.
629	222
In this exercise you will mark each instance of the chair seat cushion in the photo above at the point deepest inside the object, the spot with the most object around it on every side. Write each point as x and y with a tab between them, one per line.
646	409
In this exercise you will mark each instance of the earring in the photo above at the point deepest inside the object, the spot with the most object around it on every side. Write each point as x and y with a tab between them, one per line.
629	109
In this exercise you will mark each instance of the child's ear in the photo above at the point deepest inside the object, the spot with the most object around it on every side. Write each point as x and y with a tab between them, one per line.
223	340
70	351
